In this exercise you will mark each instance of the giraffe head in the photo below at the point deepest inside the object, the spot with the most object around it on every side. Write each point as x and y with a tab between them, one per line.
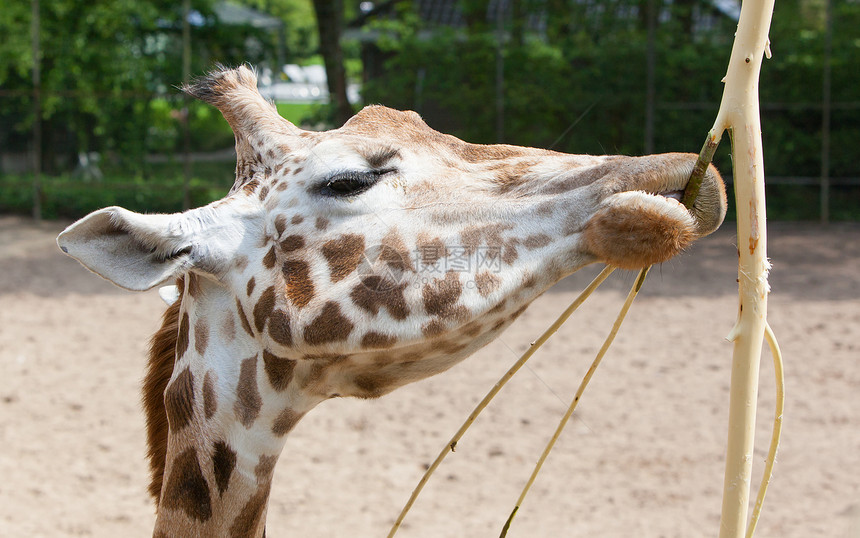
353	261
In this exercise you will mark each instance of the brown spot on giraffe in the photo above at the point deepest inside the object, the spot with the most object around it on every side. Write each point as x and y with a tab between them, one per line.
530	280
279	370
498	308
201	336
430	249
321	222
343	255
375	384
186	488
545	208
292	242
384	359
321	364
509	253
458	313
536	241
299	284
487	235
518	312
248	400
249	289
452	347
264	307
228	328
441	295
511	177
193	285
248	519
330	326
279	328
486	283
433	328
250	186
223	464
265	466
297	219
472	329
280	220
437	326
179	400
499	324
286	421
210	399
270	258
243	319
265	190
182	336
375	340
394	252
374	292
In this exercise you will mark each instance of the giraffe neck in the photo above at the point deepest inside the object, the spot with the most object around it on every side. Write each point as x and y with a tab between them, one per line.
229	407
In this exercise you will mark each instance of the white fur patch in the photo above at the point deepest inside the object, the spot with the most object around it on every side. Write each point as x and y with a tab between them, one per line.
169	294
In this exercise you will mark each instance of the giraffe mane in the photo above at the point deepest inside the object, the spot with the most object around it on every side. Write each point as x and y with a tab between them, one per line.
162	355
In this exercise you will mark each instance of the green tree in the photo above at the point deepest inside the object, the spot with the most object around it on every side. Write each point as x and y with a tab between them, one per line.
108	67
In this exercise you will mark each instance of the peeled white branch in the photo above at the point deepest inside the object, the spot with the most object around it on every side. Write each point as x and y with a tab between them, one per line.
739	112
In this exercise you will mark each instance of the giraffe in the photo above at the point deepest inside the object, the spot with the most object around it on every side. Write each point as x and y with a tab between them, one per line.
349	263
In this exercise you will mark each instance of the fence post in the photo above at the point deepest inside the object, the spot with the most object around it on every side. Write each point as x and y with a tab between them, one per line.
37	113
500	74
186	116
825	116
650	82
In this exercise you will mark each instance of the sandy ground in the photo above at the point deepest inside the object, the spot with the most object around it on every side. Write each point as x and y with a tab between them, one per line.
642	457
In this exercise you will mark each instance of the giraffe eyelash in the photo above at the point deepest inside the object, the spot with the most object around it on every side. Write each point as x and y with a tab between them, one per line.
352	183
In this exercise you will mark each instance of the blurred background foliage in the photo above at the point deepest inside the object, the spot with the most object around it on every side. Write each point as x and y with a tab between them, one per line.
570	75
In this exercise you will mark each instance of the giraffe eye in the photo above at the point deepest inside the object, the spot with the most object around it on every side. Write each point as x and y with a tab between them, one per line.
351	183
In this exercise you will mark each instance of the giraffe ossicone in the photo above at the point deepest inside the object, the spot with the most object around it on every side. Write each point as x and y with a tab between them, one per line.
349	263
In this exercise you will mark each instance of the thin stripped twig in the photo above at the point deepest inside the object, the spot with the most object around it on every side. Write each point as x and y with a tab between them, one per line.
496	388
606	343
777	428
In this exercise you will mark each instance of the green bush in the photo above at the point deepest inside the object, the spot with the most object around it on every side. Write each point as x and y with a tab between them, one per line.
71	197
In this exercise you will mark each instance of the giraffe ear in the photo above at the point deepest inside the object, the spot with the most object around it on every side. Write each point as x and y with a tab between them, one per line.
134	251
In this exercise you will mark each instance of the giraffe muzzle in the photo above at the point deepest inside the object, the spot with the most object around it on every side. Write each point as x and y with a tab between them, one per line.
641	221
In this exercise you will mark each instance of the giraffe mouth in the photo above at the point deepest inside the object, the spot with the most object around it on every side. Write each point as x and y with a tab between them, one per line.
659	183
672	195
641	221
709	208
